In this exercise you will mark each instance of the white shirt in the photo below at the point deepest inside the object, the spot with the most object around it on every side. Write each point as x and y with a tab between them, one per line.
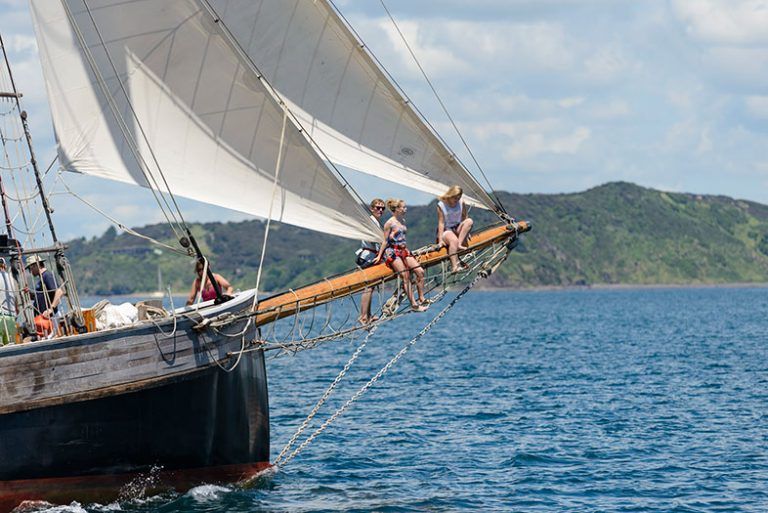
7	294
452	215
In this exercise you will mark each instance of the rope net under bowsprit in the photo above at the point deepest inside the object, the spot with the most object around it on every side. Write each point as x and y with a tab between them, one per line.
338	318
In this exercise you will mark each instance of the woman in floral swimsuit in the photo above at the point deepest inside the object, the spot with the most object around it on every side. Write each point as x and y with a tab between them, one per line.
396	255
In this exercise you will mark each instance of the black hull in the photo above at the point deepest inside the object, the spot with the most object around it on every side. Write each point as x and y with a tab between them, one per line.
210	419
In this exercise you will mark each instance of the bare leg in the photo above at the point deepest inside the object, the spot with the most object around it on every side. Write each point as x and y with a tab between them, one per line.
418	271
452	243
365	305
464	228
402	271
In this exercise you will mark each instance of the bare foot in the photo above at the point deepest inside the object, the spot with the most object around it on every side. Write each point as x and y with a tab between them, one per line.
419	308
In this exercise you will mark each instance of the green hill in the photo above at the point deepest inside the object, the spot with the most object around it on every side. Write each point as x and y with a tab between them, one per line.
618	233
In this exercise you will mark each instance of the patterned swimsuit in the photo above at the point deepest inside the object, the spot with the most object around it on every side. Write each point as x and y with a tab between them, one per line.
396	247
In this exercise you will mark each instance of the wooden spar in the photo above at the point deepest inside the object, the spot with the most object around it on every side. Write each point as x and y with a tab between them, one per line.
305	298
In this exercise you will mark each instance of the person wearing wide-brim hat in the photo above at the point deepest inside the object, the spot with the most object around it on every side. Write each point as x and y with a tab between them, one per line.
47	295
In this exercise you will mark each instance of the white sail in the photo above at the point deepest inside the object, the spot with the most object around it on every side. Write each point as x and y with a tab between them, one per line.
188	105
341	96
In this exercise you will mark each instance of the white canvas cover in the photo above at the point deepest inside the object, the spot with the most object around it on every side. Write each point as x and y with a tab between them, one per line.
187	102
341	96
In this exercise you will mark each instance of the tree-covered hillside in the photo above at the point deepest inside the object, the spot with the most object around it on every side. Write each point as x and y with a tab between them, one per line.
618	233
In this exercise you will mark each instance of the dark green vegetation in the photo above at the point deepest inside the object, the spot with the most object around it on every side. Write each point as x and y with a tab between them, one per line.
618	233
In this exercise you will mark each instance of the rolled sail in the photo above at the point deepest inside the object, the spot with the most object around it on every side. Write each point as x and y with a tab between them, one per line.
160	87
351	109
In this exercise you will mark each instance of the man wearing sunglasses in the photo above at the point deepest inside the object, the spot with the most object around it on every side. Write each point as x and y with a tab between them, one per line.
365	257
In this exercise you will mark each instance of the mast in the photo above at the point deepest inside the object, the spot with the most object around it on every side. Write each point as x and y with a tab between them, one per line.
62	264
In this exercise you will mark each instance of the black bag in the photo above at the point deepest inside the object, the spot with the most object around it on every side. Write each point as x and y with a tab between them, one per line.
365	257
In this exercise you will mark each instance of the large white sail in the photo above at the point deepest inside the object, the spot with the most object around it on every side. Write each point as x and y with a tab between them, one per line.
181	100
341	96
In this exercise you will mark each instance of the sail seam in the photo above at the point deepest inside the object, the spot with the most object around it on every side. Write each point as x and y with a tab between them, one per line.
442	105
140	126
414	110
283	105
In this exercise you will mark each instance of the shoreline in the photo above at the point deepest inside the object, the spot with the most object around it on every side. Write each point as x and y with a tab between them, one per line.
628	286
538	288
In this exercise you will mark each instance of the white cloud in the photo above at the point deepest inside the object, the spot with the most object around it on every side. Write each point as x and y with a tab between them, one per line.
525	140
611	109
757	106
608	63
725	21
458	48
437	60
680	98
22	43
568	103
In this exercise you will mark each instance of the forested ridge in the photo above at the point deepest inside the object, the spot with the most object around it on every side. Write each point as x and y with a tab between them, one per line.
617	233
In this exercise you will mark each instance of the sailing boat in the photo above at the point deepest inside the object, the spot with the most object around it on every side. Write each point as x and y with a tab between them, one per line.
246	105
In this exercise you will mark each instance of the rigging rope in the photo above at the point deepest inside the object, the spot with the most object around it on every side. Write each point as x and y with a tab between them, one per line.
121	225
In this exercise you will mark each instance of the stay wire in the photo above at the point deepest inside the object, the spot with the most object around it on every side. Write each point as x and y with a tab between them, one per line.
443	106
251	65
121	225
408	100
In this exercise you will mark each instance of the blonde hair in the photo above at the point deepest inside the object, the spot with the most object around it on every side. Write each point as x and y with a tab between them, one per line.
454	192
393	203
375	201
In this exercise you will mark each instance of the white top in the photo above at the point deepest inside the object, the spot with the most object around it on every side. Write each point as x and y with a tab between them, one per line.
7	294
452	215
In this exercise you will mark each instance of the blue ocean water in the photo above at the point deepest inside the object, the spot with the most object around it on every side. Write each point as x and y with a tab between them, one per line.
579	400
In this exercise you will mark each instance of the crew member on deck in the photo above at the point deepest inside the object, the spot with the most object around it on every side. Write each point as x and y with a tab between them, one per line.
453	225
209	292
47	296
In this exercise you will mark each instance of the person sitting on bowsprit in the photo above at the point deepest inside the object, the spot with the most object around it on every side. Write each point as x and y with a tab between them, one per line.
453	225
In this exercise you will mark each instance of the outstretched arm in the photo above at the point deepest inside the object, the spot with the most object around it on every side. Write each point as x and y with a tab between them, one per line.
440	225
193	292
387	230
225	286
54	302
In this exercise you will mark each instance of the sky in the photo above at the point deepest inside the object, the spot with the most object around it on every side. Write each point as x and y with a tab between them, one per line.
551	95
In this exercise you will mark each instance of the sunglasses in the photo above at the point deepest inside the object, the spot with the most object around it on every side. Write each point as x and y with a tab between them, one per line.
379	208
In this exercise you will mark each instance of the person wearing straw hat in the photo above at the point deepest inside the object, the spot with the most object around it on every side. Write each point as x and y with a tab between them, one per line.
453	225
8	308
47	296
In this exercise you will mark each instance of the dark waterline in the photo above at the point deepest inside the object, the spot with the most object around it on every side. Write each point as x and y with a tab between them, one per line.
575	400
